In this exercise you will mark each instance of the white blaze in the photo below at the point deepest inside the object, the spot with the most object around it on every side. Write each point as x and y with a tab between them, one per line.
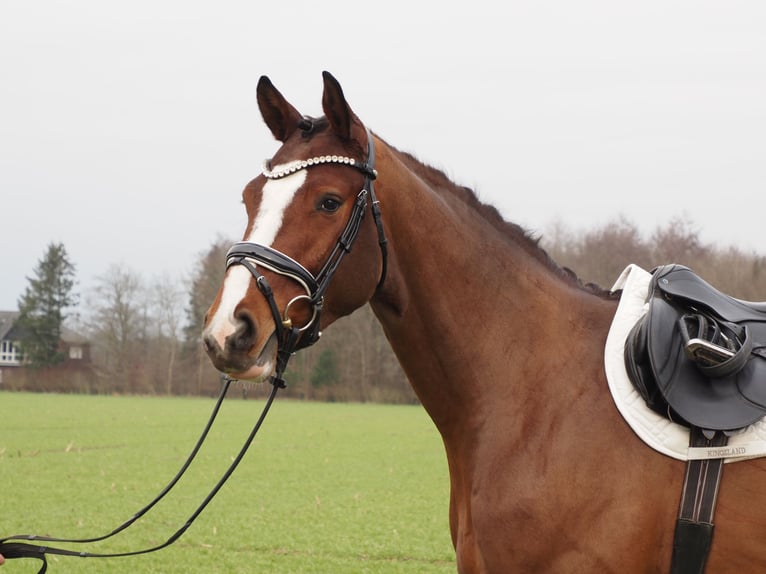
277	194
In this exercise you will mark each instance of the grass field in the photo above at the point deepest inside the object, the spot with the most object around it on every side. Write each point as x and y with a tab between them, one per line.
325	488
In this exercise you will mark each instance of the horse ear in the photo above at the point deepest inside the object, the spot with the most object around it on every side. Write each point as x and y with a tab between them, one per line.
336	109
280	116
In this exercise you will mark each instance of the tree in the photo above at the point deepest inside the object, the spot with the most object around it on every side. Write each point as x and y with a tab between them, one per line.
166	298
325	371
678	242
205	282
118	323
599	255
42	307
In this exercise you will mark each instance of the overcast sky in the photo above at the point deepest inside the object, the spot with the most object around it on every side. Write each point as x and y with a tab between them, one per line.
128	130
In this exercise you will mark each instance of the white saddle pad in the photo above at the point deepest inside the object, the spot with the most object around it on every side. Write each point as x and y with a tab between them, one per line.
658	432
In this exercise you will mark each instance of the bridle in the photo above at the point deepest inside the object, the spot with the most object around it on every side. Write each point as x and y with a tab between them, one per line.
289	337
252	256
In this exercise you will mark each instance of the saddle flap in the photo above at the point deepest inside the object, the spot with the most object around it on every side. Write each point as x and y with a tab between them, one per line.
721	403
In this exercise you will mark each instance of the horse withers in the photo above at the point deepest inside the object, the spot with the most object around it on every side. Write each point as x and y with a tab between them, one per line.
502	346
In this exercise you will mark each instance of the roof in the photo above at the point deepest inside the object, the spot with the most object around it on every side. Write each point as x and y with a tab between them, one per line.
8	320
73	337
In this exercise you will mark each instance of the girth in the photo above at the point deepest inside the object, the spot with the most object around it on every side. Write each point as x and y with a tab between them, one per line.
693	534
697	356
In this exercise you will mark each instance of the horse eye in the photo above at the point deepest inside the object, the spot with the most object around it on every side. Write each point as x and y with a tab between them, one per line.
329	204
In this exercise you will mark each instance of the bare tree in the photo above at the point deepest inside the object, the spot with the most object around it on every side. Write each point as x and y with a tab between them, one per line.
599	255
167	302
678	242
117	323
205	281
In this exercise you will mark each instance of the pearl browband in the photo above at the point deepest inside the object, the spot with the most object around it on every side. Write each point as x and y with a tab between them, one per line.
294	166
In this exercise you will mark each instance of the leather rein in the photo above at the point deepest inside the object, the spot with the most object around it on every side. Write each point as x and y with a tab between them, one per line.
19	545
289	338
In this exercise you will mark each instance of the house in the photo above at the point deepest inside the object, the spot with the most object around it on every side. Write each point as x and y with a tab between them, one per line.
10	354
75	347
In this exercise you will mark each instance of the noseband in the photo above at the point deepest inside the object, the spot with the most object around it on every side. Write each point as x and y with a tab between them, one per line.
254	256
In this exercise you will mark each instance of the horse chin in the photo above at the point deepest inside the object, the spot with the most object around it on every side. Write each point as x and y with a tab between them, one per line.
263	366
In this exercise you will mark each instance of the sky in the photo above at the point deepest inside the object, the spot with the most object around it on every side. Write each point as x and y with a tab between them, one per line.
128	129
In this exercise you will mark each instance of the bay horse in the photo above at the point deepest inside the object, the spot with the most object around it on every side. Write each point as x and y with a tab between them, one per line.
503	347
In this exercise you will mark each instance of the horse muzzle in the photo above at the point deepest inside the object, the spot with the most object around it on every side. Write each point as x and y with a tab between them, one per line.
239	354
244	341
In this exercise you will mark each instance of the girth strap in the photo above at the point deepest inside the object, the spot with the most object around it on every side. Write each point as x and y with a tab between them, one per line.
694	526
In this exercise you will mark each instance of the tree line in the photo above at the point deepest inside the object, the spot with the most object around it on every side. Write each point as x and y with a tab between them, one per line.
145	334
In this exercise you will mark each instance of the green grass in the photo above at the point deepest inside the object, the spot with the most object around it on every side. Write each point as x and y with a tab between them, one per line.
325	488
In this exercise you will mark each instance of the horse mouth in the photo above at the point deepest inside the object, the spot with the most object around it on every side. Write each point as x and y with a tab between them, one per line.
238	363
263	366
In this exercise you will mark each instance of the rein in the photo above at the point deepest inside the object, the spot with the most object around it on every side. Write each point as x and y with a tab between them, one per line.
10	547
289	338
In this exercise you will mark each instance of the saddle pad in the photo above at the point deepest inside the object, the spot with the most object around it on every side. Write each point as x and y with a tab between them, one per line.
656	431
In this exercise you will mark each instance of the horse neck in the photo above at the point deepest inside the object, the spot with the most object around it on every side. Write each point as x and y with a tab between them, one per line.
468	306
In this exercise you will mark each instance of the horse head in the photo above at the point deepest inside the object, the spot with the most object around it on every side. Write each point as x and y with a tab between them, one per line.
306	211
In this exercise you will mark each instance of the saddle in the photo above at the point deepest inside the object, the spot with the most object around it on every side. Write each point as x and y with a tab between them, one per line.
698	355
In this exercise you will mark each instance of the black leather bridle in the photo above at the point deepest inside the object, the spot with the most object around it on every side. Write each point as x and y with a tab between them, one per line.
289	337
252	256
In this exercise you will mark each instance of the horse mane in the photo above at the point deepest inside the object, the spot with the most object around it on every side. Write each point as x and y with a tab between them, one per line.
529	241
437	179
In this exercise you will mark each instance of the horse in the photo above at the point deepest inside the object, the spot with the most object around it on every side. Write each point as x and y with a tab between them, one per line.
503	347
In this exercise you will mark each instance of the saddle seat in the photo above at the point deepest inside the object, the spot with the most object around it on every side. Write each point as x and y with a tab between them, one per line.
682	282
698	355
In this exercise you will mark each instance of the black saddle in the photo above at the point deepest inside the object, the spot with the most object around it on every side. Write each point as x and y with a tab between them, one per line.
699	355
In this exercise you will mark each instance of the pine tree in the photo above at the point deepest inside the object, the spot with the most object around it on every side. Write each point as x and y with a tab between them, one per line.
205	283
325	371
43	304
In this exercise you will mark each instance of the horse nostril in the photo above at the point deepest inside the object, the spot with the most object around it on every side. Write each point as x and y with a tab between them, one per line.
244	336
211	345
